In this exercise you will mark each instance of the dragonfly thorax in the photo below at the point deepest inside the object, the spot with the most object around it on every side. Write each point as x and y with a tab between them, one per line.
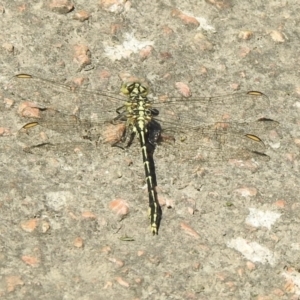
139	111
138	106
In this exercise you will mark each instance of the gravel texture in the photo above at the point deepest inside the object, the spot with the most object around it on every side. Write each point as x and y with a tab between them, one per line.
74	222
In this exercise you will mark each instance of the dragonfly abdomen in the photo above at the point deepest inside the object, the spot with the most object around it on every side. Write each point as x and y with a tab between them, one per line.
139	116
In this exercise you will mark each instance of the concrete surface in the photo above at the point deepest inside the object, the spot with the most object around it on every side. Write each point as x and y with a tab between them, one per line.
229	230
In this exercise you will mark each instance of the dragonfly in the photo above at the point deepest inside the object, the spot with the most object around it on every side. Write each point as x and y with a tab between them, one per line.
217	128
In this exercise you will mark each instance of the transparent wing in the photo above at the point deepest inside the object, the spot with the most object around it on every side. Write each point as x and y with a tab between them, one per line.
67	98
247	106
98	105
198	125
221	141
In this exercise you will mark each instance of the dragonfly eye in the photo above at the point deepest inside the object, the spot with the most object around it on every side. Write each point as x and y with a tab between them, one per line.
142	90
124	89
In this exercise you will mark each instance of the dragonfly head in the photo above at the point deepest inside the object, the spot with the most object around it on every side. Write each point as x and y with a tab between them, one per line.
134	89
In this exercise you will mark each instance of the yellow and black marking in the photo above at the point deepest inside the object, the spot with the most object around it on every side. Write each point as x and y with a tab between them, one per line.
138	116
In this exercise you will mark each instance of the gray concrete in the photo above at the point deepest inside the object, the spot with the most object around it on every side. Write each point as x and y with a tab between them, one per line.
230	230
